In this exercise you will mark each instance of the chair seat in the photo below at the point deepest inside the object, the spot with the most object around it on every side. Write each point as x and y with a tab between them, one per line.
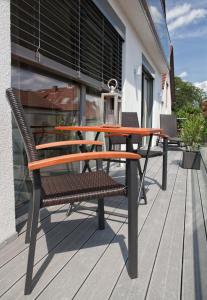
60	189
152	153
175	139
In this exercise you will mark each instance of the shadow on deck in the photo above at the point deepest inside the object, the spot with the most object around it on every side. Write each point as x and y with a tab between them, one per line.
74	260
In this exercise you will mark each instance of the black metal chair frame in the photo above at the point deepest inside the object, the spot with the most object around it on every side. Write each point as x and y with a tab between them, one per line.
133	122
169	124
114	189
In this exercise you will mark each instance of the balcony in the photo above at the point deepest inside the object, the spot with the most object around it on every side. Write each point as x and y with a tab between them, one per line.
159	20
74	260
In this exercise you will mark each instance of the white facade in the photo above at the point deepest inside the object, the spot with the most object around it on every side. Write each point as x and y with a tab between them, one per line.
7	203
139	41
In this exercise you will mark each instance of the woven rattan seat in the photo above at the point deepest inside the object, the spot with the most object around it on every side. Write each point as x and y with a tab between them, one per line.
60	189
152	153
175	139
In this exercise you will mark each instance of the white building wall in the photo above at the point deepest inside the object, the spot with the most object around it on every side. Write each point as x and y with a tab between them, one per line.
132	75
7	203
166	97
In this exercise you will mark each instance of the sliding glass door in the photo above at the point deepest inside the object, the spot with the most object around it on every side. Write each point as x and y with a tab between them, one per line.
147	100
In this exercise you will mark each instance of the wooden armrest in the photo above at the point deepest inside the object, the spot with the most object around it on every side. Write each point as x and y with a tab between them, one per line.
68	143
116	134
58	160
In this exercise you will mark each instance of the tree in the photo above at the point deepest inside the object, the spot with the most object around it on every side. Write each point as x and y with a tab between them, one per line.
187	95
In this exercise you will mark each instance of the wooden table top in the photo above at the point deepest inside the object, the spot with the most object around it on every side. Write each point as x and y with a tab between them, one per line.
120	130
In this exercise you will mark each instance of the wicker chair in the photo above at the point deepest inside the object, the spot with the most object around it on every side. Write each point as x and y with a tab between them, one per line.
67	188
169	124
130	119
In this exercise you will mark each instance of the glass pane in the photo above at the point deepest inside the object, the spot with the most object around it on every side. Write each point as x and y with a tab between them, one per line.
94	114
47	102
93	110
159	20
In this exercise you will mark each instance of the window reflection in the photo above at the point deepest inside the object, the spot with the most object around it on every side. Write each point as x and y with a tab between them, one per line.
93	114
93	107
47	102
159	20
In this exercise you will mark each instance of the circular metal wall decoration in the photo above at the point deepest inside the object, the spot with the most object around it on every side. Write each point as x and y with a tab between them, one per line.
112	85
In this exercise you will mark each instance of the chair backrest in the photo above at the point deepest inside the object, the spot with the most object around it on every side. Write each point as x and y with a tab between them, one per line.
18	113
129	119
169	124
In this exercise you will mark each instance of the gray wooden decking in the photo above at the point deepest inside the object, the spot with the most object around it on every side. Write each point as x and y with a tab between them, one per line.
74	260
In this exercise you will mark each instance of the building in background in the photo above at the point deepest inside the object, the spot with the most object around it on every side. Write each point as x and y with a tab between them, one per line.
59	56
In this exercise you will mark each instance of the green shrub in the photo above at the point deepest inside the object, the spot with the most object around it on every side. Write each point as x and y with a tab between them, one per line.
193	130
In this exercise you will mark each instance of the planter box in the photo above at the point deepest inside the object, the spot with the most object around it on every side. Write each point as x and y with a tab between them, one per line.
191	160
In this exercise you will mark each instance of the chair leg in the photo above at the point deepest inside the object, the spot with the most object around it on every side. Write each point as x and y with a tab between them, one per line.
140	176
101	221
33	234
29	223
108	166
30	263
109	162
164	164
69	210
132	220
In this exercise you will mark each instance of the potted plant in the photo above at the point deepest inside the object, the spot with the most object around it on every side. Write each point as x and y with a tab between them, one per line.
192	135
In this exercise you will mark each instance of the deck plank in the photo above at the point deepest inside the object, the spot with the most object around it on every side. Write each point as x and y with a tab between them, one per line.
42	253
167	270
149	239
195	245
47	224
62	253
202	180
75	279
77	270
85	263
54	237
109	276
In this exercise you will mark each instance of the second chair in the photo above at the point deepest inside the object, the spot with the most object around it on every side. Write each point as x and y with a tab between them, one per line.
130	119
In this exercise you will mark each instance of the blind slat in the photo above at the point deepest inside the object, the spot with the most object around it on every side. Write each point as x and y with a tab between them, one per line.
73	33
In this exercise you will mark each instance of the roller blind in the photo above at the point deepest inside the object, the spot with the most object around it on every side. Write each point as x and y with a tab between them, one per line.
72	32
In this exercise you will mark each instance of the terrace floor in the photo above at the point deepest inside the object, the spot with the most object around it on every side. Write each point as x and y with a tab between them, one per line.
74	260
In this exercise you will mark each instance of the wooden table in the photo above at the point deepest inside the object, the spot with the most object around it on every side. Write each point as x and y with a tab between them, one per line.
113	129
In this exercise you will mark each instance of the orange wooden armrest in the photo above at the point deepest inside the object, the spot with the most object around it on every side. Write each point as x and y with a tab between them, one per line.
68	143
58	160
116	134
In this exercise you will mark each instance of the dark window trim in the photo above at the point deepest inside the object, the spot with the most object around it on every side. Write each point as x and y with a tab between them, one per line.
91	51
111	15
147	66
28	56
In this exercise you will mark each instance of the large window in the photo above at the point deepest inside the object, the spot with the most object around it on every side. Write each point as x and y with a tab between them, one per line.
48	101
73	33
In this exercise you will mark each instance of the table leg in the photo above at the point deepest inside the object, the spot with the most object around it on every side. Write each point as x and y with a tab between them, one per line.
83	149
129	148
164	167
145	167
